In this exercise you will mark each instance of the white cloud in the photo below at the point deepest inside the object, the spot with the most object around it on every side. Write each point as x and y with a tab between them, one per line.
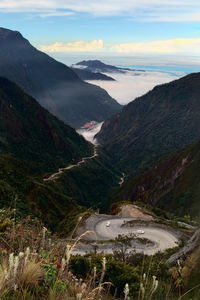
128	87
56	14
79	46
156	10
174	46
166	46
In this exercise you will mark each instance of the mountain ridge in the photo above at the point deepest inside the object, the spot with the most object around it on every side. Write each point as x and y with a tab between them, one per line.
54	85
99	66
89	75
154	125
173	184
30	132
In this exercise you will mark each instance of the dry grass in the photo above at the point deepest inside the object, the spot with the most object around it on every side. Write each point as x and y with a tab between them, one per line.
34	265
32	274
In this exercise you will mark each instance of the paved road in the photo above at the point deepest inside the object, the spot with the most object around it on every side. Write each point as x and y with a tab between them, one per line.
161	238
56	175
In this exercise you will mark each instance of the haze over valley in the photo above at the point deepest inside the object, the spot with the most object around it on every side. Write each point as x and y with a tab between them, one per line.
131	85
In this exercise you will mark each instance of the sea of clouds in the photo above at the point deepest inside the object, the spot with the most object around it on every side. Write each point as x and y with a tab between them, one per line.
127	87
133	84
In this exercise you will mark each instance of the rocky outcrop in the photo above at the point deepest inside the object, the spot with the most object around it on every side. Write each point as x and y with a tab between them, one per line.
191	245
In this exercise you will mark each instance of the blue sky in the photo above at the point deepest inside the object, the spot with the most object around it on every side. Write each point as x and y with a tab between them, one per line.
107	27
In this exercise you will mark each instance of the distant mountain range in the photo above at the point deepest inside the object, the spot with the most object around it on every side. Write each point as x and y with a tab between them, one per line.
55	86
98	66
156	124
89	75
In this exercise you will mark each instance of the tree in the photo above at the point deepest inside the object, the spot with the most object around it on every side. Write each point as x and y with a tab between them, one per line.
122	246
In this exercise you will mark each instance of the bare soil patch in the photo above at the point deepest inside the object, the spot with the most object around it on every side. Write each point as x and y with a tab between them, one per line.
133	211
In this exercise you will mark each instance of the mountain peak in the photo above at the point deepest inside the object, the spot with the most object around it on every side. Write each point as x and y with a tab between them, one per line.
88	62
7	33
155	124
94	64
54	85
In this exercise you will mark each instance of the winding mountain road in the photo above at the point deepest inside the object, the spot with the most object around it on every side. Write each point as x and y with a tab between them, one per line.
122	179
160	238
56	175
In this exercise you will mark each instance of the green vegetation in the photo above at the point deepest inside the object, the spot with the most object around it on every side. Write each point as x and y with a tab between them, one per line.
173	185
55	86
34	264
90	184
58	203
31	133
158	123
33	143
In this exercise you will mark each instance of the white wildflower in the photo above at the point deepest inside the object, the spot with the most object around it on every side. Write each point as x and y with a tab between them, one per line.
104	263
21	255
16	264
44	230
79	296
11	261
27	253
126	291
142	289
95	272
155	286
63	263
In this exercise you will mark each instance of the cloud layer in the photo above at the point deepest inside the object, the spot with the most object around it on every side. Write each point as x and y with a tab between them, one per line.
165	46
128	86
79	46
156	10
173	46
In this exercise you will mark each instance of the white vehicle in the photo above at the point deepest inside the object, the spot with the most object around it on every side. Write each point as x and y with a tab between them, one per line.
139	231
108	224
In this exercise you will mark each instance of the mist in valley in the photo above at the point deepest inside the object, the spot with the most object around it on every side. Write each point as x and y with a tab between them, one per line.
131	85
90	134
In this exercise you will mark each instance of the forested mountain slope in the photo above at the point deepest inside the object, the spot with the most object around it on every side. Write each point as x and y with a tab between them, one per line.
173	184
163	120
54	85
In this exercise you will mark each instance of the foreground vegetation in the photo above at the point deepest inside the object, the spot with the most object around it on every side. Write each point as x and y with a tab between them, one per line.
34	264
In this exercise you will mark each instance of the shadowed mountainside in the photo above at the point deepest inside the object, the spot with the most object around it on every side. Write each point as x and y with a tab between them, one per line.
55	86
173	184
156	124
31	133
33	143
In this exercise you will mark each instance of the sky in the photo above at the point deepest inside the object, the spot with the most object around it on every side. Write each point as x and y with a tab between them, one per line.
163	30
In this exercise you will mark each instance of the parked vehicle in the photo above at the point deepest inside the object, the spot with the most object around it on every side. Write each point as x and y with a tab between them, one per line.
108	224
139	231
